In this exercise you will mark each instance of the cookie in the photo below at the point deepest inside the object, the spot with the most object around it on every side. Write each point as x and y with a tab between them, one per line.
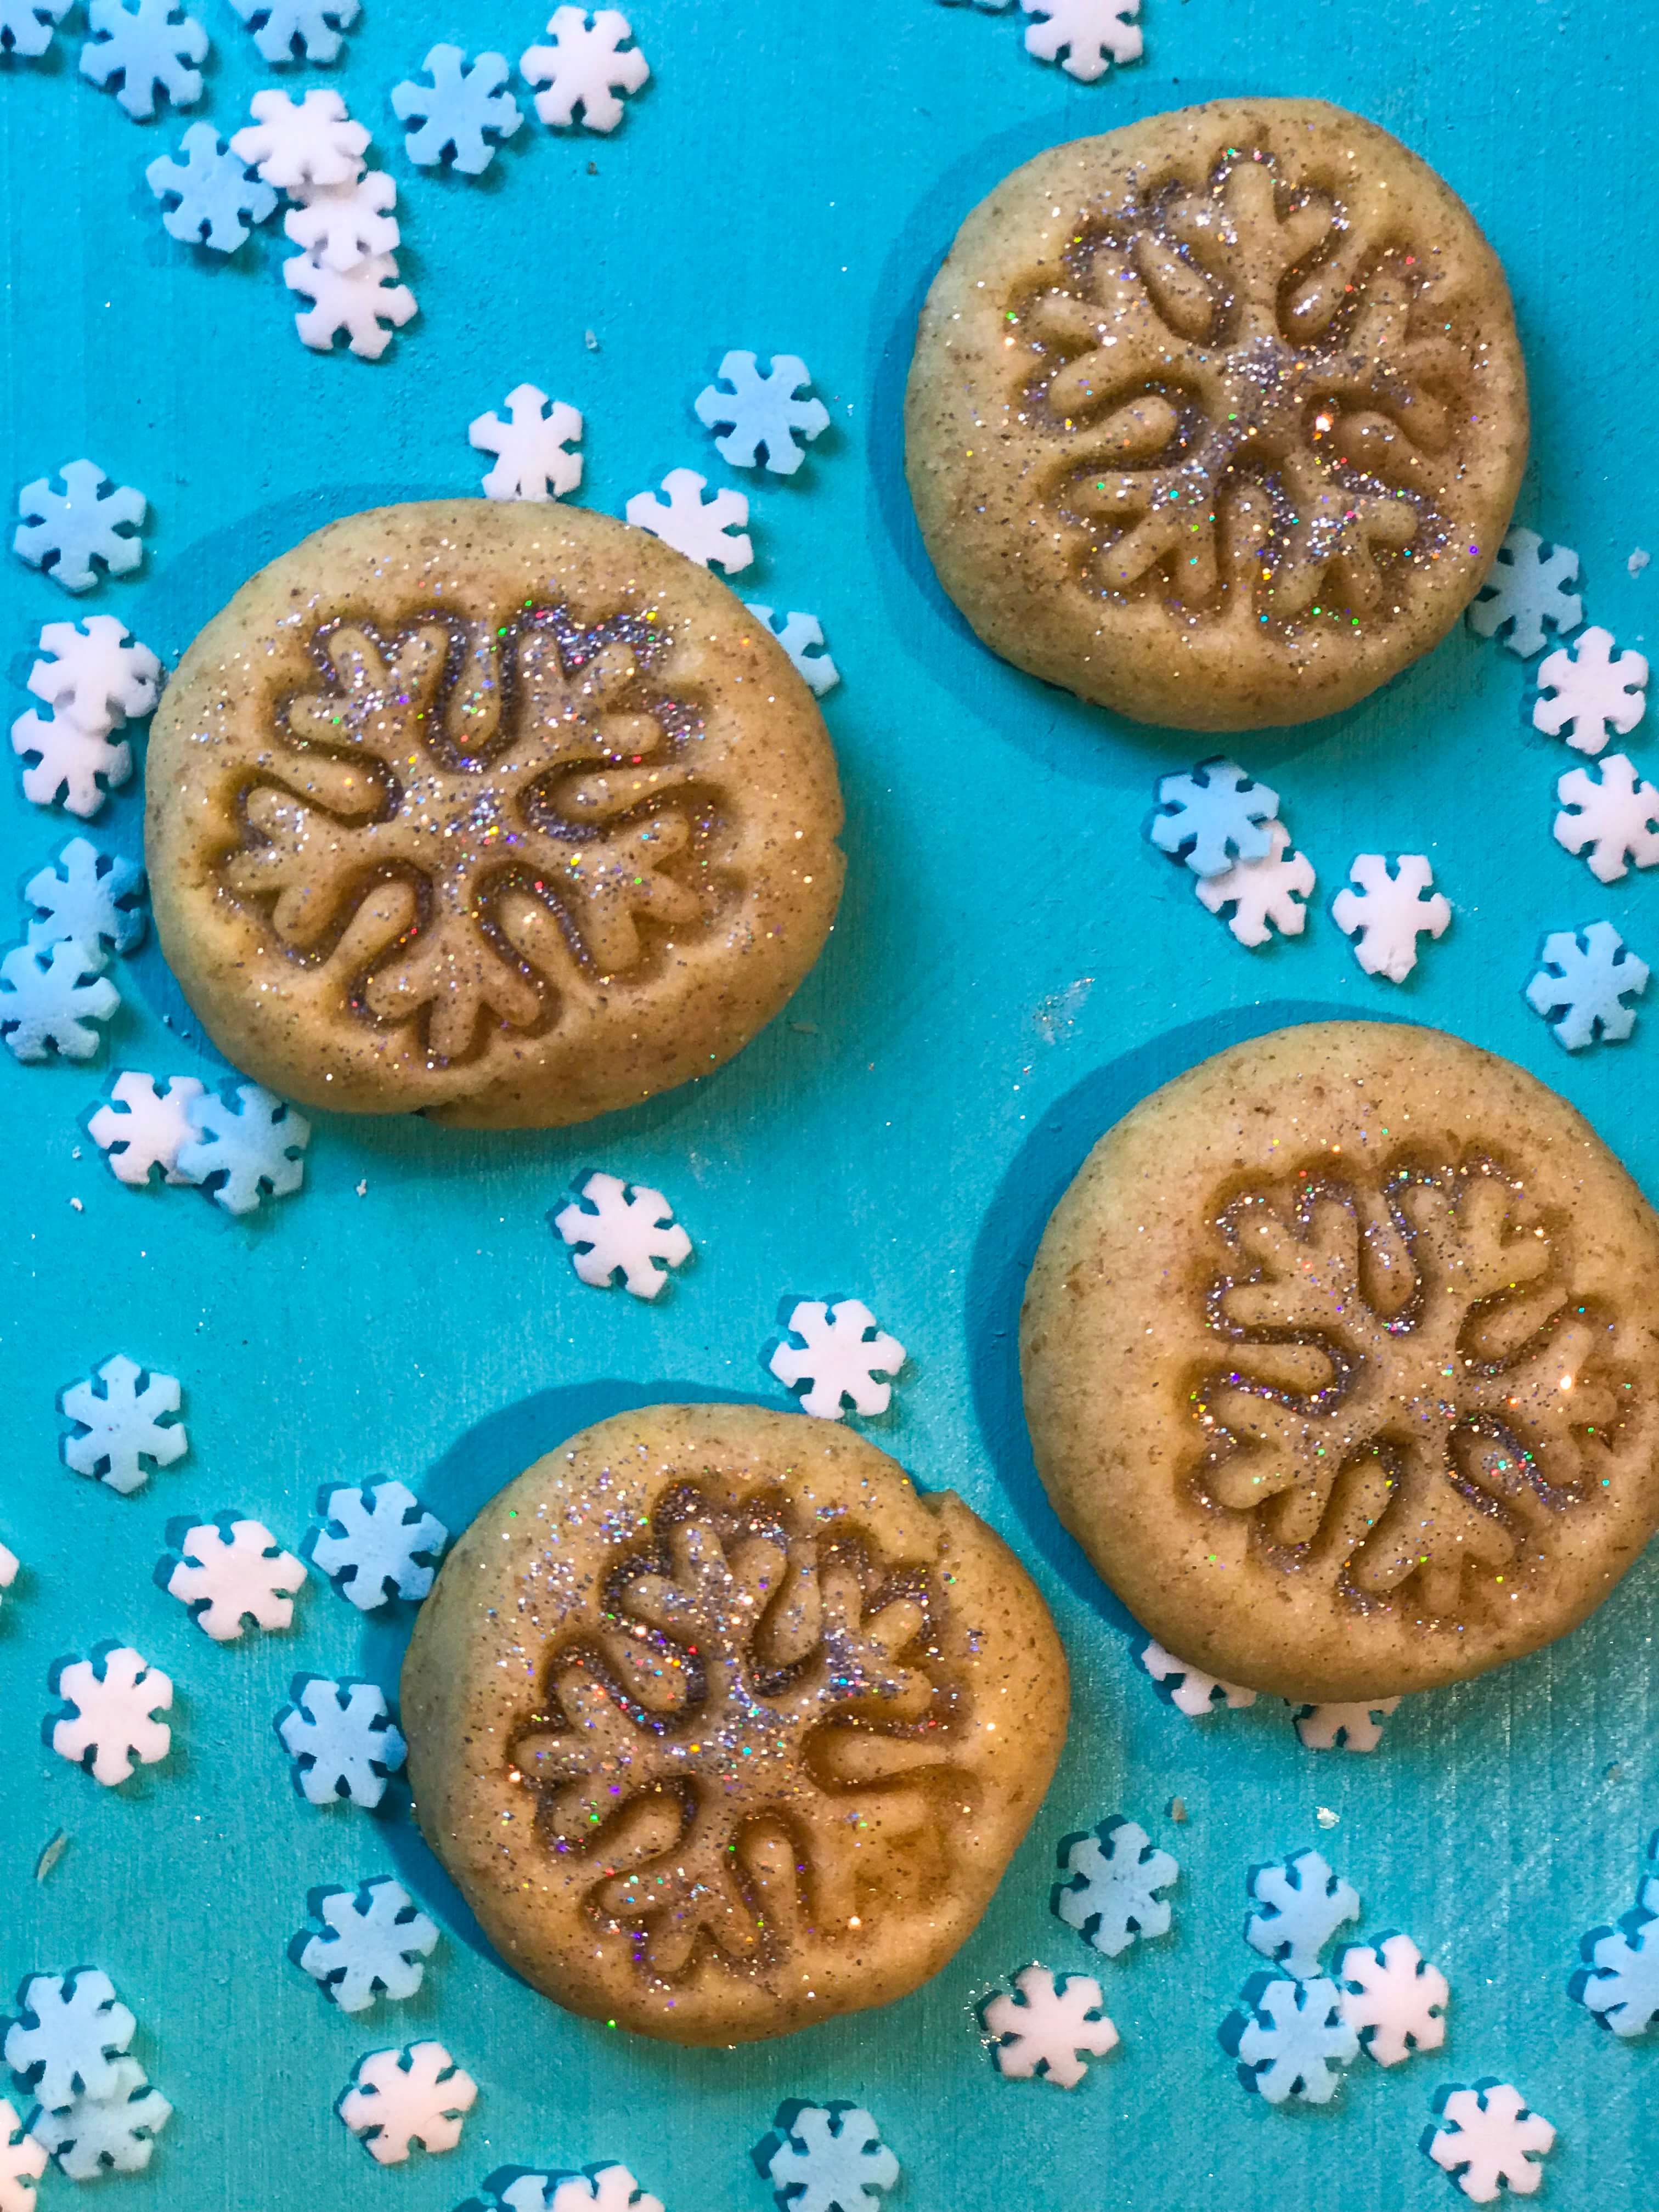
721	1729
1341	1363
502	812
1218	420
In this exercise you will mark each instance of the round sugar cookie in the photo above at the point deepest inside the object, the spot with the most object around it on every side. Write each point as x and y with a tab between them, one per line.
1218	420
501	812
722	1728
1341	1363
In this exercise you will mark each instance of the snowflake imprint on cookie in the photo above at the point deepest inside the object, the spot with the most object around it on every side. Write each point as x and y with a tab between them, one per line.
378	1544
1248	410
1043	2030
1415	1400
400	2098
586	67
231	1576
126	1423
615	1228
342	1739
374	1943
460	113
110	1726
699	1750
462	820
823	2158
1487	2140
1115	1893
1084	36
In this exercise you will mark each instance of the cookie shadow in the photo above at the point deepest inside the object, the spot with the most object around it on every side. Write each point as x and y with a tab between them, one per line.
457	1487
1037	1177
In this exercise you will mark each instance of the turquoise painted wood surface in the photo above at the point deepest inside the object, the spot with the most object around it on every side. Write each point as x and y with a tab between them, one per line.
1013	967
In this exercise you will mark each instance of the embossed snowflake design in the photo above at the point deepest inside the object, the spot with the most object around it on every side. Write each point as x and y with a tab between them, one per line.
461	820
1247	405
1412	1399
775	1655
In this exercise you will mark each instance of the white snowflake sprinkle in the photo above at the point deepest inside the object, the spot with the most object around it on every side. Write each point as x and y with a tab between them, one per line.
1488	2141
801	637
1113	1895
400	2098
10	1568
842	1350
1091	34
532	447
705	530
585	67
819	2158
378	1544
616	1227
342	1739
312	142
1187	1687
22	2160
230	1579
1354	1727
1526	595
123	1424
1045	2027
143	1128
297	30
1581	987
1392	1998
374	1943
1609	816
1587	692
112	1698
1391	907
52	1000
95	673
26	31
101	2136
90	524
364	304
1302	1905
1264	894
80	766
339	225
70	2032
89	898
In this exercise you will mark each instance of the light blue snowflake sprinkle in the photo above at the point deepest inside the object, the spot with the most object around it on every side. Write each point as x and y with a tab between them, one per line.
89	897
27	26
50	1001
1291	2040
1112	1896
760	414
826	2158
1582	986
1619	1979
149	46
457	109
1302	1905
297	30
801	637
243	1153
70	534
215	194
1213	817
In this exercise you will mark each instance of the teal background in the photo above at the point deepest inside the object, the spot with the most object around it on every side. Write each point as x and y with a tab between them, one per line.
1013	967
